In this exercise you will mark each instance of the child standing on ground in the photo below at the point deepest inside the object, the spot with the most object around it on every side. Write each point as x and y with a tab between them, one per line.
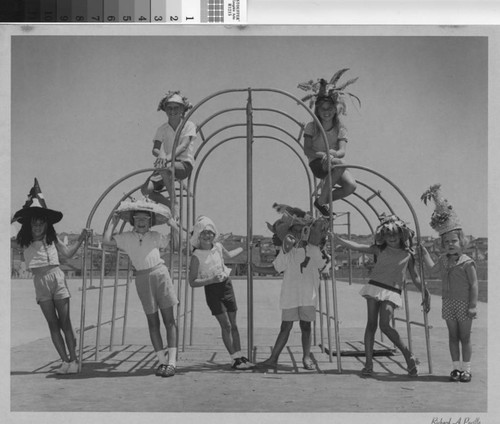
152	279
459	283
207	269
42	249
301	262
175	106
328	106
394	250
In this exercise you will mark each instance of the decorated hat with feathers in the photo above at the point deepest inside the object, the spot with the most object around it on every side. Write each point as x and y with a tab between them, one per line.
174	97
444	219
323	89
391	223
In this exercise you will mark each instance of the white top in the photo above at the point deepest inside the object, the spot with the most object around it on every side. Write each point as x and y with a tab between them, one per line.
142	249
166	134
300	284
39	254
211	262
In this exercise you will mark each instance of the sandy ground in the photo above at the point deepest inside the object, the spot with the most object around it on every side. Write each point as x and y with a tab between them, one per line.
122	379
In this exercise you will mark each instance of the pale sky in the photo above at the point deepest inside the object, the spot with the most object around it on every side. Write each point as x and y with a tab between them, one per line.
84	114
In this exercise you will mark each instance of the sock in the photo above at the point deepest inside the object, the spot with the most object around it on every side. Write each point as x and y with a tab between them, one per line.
237	354
161	357
456	365
467	367
172	356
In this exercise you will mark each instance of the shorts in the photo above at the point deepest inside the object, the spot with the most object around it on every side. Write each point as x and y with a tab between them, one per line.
50	285
455	310
220	297
155	289
300	313
317	169
382	293
182	171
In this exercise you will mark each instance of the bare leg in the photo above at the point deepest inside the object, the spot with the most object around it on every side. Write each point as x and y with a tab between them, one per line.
370	330
453	340
464	329
305	327
154	331
49	312
279	345
235	333
170	325
227	338
386	314
62	307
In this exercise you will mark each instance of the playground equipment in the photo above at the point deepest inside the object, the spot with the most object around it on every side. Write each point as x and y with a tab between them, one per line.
366	197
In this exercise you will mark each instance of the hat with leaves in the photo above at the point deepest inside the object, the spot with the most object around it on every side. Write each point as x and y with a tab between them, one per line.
35	206
443	219
392	223
174	97
329	90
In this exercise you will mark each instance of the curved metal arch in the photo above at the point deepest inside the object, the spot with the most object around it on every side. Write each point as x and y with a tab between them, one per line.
194	181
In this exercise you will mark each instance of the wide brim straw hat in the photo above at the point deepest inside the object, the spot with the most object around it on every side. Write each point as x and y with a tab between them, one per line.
174	97
161	214
202	223
35	206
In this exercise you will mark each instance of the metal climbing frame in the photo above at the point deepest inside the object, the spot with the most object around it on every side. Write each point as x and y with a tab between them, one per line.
250	125
90	270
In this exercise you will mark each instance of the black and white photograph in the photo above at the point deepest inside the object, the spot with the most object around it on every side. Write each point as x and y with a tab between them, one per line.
249	222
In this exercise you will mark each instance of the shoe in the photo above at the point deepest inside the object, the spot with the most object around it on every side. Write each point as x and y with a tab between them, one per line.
323	209
244	364
367	371
162	368
412	367
63	369
465	377
267	364
455	375
73	368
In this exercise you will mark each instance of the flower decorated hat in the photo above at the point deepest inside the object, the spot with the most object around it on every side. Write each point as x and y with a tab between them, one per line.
161	214
443	219
202	223
174	97
391	223
322	89
36	206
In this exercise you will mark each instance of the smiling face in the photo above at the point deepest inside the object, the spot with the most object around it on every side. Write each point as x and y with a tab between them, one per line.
393	239
206	239
326	111
142	222
452	243
38	228
174	111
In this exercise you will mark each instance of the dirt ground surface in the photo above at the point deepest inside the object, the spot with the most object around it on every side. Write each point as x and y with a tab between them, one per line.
121	379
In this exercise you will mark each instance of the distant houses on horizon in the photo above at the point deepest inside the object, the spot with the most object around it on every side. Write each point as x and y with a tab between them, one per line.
263	254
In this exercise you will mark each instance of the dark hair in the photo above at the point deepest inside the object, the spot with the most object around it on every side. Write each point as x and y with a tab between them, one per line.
25	235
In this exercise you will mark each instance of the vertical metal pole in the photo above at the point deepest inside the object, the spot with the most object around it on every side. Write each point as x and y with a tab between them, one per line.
113	310
336	323
127	290
407	311
349	250
249	113
83	302
320	298
99	309
328	324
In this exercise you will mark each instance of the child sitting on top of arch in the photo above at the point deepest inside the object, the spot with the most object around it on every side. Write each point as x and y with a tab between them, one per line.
329	105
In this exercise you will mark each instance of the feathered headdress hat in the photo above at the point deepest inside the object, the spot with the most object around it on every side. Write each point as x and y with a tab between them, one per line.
36	206
443	219
391	223
174	97
322	89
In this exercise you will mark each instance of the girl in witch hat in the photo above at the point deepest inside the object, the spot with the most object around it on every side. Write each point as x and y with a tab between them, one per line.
329	103
459	282
395	256
152	279
42	248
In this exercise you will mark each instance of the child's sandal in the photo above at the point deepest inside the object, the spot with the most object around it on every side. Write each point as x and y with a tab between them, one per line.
412	367
465	377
